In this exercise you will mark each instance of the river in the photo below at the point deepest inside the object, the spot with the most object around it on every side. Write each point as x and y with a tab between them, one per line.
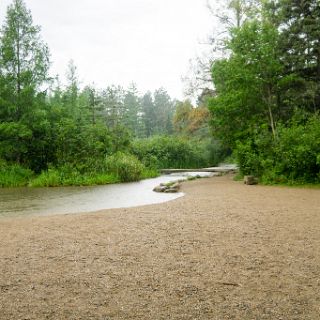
62	200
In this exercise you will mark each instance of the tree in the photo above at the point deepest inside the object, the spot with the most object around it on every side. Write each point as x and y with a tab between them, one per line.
91	104
226	15
164	108
24	63
132	111
148	113
247	83
233	13
24	58
113	109
300	44
182	116
71	94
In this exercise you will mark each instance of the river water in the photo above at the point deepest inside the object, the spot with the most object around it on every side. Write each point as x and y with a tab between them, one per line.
62	200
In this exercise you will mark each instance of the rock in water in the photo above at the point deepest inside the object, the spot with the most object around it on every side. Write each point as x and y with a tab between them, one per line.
176	185
171	190
170	187
160	189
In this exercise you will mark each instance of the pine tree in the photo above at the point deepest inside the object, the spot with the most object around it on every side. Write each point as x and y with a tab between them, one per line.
24	58
24	64
300	22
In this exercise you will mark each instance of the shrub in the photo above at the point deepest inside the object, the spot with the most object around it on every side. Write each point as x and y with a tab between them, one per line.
50	178
126	166
292	157
67	176
14	175
297	151
176	152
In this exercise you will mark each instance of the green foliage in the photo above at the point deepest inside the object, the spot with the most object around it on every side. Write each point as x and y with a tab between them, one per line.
65	134
81	144
247	83
13	140
126	166
13	175
24	64
149	173
24	57
50	178
267	93
161	152
297	154
214	151
67	176
294	157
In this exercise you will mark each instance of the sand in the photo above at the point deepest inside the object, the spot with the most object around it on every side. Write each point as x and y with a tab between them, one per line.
224	251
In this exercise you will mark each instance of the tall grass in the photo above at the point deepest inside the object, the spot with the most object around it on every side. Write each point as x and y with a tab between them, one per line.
125	166
57	177
14	175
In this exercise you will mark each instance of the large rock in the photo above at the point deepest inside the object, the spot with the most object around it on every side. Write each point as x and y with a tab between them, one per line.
160	189
176	185
171	190
250	180
170	187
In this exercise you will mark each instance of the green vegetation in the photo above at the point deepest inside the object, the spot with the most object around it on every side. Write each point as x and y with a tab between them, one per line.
14	175
267	102
161	152
52	135
264	110
61	177
127	167
292	158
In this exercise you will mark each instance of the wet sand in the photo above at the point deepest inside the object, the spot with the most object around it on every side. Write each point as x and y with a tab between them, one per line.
224	251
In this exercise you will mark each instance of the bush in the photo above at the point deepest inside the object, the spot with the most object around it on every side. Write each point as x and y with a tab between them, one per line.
292	157
68	176
50	178
14	175
175	152
126	166
297	152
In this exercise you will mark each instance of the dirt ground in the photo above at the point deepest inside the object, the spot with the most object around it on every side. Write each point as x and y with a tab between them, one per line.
224	251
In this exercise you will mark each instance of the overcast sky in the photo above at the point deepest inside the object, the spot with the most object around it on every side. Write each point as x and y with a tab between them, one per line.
148	42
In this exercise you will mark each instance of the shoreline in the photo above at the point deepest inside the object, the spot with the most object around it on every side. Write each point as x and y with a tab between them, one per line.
224	250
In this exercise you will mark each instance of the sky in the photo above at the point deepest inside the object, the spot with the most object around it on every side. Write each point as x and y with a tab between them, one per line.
148	42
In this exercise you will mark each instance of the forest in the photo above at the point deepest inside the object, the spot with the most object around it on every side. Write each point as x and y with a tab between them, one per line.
53	135
264	108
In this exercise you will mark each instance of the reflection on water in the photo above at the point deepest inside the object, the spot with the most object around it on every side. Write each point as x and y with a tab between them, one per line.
47	201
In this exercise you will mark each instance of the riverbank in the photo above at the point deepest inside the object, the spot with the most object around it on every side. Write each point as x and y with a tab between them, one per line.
224	251
17	176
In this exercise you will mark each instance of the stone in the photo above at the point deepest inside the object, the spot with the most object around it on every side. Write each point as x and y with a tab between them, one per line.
250	180
175	186
171	190
160	189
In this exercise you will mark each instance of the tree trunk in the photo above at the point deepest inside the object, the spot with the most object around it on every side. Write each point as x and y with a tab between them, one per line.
18	74
271	118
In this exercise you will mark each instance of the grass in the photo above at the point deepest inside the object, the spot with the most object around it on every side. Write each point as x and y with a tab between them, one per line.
292	184
149	173
14	176
56	178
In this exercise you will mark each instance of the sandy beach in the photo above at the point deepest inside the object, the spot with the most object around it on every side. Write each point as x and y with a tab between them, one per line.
223	251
